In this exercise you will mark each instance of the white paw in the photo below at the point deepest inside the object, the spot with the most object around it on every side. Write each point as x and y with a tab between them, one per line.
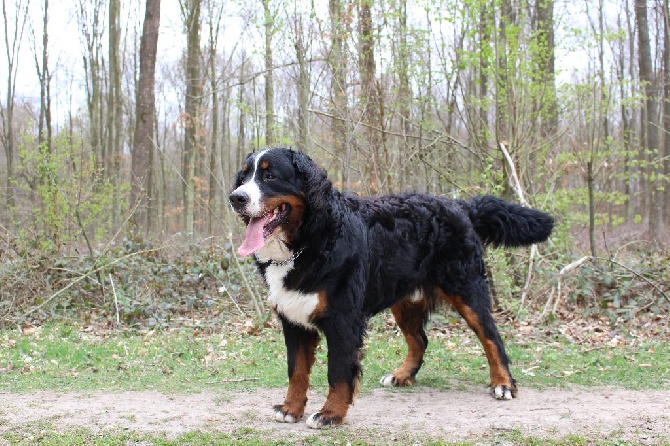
281	417
314	421
501	393
387	380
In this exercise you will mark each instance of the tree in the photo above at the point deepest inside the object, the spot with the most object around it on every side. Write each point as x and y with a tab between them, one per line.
89	16
13	36
192	103
214	27
270	131
144	124
648	123
338	88
43	74
666	113
114	125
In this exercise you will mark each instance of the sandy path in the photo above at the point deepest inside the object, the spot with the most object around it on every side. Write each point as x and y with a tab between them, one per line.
642	416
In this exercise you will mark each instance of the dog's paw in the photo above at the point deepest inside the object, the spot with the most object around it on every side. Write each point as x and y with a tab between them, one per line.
283	416
503	392
318	421
391	380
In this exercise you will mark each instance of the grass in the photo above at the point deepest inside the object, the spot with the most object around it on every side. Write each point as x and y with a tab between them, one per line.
60	357
66	358
47	435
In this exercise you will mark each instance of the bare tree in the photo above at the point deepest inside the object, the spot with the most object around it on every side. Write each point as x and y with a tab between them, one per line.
89	15
44	76
114	127
13	35
648	116
270	130
215	14
338	88
144	124
192	99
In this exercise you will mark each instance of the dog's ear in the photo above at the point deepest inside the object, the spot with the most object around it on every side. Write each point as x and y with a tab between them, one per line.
315	180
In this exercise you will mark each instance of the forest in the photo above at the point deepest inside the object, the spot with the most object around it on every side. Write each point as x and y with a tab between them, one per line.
123	124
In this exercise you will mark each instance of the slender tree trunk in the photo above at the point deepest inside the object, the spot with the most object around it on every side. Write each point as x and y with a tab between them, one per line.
648	116
114	118
369	97
338	89
191	112
241	125
665	217
44	122
270	124
404	99
214	21
144	123
486	25
13	37
303	81
546	66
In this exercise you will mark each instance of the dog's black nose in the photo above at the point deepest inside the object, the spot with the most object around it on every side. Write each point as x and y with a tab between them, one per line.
238	200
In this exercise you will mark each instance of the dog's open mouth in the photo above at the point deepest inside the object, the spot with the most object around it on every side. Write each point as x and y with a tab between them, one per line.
261	229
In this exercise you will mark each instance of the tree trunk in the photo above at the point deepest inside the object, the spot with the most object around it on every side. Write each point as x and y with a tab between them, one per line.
648	117
13	48
214	21
144	123
191	112
270	125
544	10
666	115
338	89
303	81
44	122
369	98
114	112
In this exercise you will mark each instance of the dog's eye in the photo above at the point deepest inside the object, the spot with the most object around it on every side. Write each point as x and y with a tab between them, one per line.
269	176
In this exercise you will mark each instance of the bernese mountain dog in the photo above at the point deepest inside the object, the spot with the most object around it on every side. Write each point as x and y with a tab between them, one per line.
331	260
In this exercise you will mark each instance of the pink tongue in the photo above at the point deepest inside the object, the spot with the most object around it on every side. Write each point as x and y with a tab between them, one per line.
254	240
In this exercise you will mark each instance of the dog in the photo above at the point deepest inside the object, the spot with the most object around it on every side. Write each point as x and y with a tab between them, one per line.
331	260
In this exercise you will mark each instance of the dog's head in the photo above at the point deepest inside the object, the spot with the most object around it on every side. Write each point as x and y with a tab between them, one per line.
273	192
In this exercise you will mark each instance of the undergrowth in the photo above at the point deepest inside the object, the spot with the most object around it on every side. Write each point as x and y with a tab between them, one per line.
202	285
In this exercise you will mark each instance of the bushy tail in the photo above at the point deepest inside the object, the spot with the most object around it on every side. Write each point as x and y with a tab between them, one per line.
499	222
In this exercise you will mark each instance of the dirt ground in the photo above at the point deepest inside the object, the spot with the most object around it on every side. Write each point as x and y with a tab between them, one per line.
636	416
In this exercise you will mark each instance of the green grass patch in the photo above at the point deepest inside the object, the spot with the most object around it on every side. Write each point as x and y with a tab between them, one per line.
48	435
59	357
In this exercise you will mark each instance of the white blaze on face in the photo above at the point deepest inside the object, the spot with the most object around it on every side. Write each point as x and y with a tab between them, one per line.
252	189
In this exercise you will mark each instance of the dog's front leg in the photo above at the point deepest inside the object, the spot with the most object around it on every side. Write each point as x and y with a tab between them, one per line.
344	336
300	346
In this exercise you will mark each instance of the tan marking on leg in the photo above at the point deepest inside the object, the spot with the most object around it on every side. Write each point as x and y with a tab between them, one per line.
498	372
409	317
340	397
298	384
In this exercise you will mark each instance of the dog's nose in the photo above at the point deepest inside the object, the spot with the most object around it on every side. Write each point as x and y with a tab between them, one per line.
238	200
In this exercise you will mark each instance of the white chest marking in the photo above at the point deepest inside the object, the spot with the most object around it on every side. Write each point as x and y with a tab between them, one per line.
293	305
274	250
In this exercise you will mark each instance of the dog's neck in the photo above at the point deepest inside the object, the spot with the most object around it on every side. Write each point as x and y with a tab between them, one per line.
276	251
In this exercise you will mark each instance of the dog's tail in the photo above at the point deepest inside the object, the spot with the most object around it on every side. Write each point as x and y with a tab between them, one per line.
499	222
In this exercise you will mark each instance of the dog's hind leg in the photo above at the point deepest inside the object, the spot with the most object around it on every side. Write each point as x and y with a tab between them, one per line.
300	346
410	315
475	308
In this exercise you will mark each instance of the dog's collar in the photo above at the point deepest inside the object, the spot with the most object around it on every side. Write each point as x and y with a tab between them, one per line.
287	261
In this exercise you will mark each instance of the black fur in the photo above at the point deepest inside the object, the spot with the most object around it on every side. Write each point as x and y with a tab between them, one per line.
407	251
